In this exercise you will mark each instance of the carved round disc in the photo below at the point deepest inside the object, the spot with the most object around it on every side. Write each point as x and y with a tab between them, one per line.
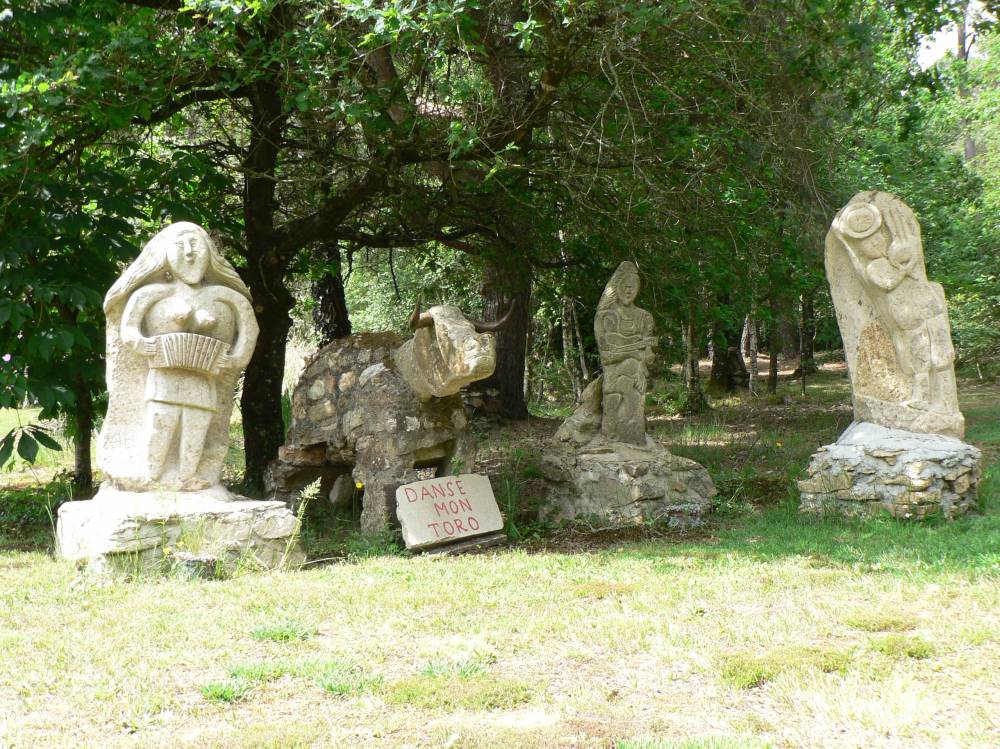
861	221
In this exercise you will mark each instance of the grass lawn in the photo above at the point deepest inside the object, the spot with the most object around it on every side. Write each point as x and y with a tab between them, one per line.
762	629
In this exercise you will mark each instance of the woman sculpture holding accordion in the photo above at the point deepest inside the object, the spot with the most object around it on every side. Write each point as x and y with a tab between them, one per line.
181	318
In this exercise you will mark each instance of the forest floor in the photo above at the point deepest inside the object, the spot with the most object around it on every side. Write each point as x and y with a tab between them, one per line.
762	628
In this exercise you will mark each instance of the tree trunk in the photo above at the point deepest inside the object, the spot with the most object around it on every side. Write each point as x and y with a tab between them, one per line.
507	284
969	149
584	369
694	398
83	472
773	347
529	362
570	360
807	334
751	327
729	371
330	315
263	424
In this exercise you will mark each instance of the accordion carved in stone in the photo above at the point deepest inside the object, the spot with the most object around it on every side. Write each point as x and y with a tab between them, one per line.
187	351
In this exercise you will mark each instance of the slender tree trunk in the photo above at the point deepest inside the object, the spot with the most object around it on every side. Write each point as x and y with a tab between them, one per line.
83	472
330	315
751	327
506	284
807	334
969	149
570	360
529	362
773	347
584	369
694	397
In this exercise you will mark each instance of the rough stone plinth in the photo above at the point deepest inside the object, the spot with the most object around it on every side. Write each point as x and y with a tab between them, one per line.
121	531
873	469
616	483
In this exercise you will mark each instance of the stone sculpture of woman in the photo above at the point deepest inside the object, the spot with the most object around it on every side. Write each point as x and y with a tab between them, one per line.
894	321
625	341
180	329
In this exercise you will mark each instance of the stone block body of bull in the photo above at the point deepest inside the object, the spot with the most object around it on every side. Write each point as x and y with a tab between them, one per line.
373	409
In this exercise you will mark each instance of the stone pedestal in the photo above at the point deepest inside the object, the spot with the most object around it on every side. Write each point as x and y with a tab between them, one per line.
873	469
121	532
616	483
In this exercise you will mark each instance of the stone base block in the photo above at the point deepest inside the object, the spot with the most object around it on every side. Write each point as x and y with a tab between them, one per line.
123	532
616	483
873	469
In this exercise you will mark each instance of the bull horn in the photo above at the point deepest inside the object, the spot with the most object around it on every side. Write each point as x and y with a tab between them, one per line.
492	327
420	319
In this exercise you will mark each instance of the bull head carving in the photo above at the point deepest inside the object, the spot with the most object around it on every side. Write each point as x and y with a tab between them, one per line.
447	351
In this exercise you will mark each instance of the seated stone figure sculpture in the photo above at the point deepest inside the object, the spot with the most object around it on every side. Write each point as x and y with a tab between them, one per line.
625	341
180	328
601	463
894	321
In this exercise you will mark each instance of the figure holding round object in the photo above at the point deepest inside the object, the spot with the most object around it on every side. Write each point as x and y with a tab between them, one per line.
179	318
875	263
625	340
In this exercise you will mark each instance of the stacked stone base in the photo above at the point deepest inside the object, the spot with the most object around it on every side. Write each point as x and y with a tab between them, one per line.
120	532
611	483
871	470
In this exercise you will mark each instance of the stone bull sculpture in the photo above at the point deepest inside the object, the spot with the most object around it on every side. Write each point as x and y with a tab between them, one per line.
371	409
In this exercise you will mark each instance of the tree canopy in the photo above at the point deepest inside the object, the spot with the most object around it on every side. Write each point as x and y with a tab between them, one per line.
493	151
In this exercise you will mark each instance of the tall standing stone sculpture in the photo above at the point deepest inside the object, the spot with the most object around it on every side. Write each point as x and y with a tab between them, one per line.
904	452
602	465
180	329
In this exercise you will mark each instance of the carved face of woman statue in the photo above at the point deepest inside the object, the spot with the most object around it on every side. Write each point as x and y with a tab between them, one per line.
628	288
187	256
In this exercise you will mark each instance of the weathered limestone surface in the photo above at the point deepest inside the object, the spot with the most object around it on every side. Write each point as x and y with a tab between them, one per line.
893	321
872	469
601	464
180	329
372	409
121	531
904	454
618	483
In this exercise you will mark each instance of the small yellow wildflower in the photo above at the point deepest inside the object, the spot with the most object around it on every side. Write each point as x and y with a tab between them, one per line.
167	550
359	485
778	444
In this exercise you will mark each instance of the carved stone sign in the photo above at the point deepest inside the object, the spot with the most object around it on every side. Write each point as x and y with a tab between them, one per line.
446	509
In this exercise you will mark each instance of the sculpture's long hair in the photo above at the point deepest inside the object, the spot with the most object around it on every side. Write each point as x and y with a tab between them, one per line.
151	266
610	297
